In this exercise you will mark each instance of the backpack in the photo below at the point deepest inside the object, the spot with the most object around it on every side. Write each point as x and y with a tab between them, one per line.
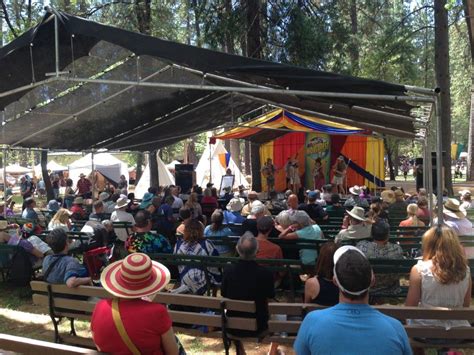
21	270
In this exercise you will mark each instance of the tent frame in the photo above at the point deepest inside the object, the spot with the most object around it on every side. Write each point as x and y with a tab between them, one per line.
429	96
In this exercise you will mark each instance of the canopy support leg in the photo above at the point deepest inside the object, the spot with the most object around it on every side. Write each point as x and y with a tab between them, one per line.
56	44
5	183
93	174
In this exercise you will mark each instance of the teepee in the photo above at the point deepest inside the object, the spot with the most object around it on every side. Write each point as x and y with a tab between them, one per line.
164	176
211	167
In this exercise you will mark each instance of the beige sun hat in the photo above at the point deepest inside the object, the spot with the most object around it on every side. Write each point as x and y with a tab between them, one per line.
234	205
357	213
388	196
121	203
452	208
355	190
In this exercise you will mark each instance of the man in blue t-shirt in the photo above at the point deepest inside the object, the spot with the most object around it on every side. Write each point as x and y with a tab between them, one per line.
61	268
352	326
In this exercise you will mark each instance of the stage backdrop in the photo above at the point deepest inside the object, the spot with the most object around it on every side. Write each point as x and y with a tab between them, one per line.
318	145
365	155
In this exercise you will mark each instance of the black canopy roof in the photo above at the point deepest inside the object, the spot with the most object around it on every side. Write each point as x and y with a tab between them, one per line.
73	115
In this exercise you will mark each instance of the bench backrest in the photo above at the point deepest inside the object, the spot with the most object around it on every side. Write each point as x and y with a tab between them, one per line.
58	298
399	312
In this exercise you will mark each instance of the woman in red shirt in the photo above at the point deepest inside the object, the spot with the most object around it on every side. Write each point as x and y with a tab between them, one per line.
146	326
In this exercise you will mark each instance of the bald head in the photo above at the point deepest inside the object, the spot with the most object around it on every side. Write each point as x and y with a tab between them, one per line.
247	246
292	201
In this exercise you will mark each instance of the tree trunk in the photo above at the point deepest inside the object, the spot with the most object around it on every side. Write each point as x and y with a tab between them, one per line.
354	48
197	22
470	163
443	82
469	12
44	172
153	164
143	15
139	169
389	159
254	49
248	171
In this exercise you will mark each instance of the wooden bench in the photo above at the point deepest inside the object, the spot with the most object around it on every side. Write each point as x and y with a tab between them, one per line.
58	300
284	331
31	346
289	266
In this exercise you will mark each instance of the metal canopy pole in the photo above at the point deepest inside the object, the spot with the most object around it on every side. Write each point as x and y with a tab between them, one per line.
251	90
5	182
439	159
56	43
93	175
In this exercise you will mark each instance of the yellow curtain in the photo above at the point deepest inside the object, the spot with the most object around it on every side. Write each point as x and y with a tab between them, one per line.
375	159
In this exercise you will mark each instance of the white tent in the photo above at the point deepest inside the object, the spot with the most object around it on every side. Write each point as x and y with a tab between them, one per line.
205	168
104	163
164	176
52	166
18	169
171	166
10	179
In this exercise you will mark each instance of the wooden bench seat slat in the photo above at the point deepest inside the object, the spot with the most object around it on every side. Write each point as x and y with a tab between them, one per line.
437	332
76	305
287	326
31	346
90	291
208	302
78	340
212	320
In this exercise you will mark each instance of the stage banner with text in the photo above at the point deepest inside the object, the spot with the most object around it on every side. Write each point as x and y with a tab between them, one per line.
317	145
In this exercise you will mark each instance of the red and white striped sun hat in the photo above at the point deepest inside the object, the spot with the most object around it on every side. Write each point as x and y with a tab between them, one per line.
135	276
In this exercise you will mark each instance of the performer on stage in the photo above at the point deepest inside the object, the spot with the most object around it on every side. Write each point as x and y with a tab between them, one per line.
339	170
318	175
268	171
292	171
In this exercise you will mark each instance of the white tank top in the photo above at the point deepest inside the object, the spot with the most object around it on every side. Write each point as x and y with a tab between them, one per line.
436	294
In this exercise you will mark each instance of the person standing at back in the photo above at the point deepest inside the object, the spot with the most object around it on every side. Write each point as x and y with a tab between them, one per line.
352	326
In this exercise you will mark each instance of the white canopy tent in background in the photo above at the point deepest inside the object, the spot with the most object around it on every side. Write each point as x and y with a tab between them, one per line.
164	176
205	168
10	179
104	163
17	169
171	166
52	166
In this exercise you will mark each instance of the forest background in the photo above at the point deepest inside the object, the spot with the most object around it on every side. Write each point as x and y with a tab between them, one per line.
390	40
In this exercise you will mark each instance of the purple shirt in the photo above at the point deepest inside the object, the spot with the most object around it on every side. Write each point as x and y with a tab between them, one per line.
16	240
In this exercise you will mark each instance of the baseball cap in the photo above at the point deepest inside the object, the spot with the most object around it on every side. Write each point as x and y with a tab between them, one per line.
352	270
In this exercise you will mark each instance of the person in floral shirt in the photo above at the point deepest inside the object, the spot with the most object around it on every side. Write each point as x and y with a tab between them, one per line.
380	248
143	240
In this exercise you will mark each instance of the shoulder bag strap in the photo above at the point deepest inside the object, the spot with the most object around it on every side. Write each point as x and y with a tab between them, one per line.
121	328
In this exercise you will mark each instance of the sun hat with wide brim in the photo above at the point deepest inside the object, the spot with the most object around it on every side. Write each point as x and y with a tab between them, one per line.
355	190
452	208
146	200
234	205
388	196
78	201
121	203
81	175
135	276
357	213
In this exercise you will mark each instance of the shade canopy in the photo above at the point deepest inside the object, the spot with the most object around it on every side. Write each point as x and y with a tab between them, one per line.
103	101
279	122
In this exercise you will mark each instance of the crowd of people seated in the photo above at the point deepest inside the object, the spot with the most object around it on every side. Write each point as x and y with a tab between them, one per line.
166	221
